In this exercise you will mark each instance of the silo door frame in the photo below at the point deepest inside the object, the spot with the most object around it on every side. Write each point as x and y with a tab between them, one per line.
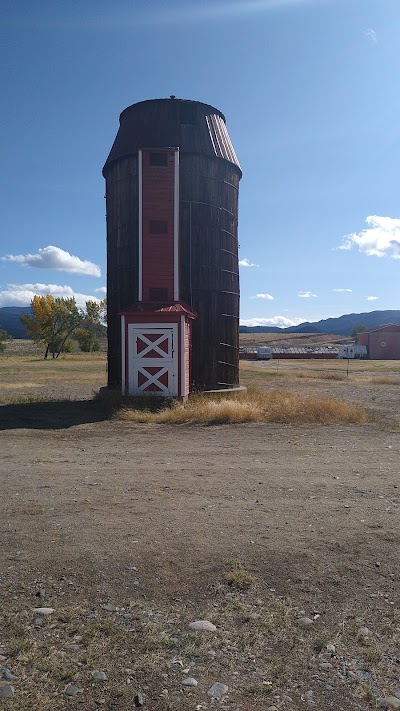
153	359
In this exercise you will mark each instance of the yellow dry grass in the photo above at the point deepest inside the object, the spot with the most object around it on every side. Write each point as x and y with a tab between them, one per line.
292	368
319	375
19	373
385	380
23	399
252	406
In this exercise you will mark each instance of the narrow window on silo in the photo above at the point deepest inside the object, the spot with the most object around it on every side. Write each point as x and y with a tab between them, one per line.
158	294
158	227
158	159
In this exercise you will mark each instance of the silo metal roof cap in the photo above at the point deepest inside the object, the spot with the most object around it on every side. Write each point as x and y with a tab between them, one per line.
192	126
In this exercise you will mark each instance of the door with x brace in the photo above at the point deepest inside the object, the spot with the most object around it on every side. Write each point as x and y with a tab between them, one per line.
153	360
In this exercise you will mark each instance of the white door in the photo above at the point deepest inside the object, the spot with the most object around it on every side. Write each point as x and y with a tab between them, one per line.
153	359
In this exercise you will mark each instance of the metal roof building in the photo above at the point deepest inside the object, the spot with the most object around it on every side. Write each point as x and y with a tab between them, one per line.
383	343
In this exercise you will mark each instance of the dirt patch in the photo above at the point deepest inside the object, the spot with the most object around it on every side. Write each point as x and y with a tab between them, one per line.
134	531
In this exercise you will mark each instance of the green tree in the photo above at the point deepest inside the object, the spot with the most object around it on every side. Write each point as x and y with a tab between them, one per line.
87	339
3	337
52	322
92	327
358	328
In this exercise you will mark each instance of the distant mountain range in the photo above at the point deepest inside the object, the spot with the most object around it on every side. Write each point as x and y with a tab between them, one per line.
10	320
342	326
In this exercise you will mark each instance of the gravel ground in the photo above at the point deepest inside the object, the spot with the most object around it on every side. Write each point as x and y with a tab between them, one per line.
285	538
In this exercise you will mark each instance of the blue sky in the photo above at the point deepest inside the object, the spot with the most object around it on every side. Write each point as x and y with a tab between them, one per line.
310	92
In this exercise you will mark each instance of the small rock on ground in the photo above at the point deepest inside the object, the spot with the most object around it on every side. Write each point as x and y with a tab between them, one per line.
305	622
391	702
7	675
217	690
189	681
72	690
6	691
364	632
99	676
45	611
202	625
138	700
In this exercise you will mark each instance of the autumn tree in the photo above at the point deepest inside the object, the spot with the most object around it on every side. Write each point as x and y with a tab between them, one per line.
52	322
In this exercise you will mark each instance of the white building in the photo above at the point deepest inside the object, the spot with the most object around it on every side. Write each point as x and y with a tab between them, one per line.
351	350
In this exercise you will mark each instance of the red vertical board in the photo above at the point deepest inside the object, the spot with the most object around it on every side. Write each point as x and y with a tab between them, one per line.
158	184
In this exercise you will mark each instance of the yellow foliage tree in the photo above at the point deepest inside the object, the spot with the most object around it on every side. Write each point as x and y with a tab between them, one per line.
52	321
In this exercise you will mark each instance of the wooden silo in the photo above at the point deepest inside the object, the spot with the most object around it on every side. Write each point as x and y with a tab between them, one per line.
172	182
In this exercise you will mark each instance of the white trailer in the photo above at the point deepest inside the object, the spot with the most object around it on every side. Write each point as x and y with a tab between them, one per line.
264	353
351	350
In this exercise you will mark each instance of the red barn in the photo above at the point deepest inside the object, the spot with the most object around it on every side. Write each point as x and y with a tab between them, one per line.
383	343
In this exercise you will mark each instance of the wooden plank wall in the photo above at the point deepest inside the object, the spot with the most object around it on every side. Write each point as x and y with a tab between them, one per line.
209	275
209	267
122	253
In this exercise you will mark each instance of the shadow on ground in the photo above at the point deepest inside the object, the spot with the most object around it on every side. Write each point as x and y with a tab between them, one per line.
53	415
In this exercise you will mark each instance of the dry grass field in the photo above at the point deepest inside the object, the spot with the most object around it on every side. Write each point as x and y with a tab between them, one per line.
282	533
289	340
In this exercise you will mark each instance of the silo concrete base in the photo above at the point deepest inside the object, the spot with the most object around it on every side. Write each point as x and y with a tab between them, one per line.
222	391
109	392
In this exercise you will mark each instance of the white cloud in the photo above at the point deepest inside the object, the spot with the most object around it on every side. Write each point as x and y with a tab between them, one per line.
22	294
247	263
280	321
342	291
372	298
101	290
267	297
380	239
55	258
371	36
307	295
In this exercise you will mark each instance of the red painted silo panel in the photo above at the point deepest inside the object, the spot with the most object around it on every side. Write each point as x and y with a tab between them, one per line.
188	349
158	213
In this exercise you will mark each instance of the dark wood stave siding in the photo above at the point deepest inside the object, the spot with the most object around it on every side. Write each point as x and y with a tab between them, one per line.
208	207
122	253
209	266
